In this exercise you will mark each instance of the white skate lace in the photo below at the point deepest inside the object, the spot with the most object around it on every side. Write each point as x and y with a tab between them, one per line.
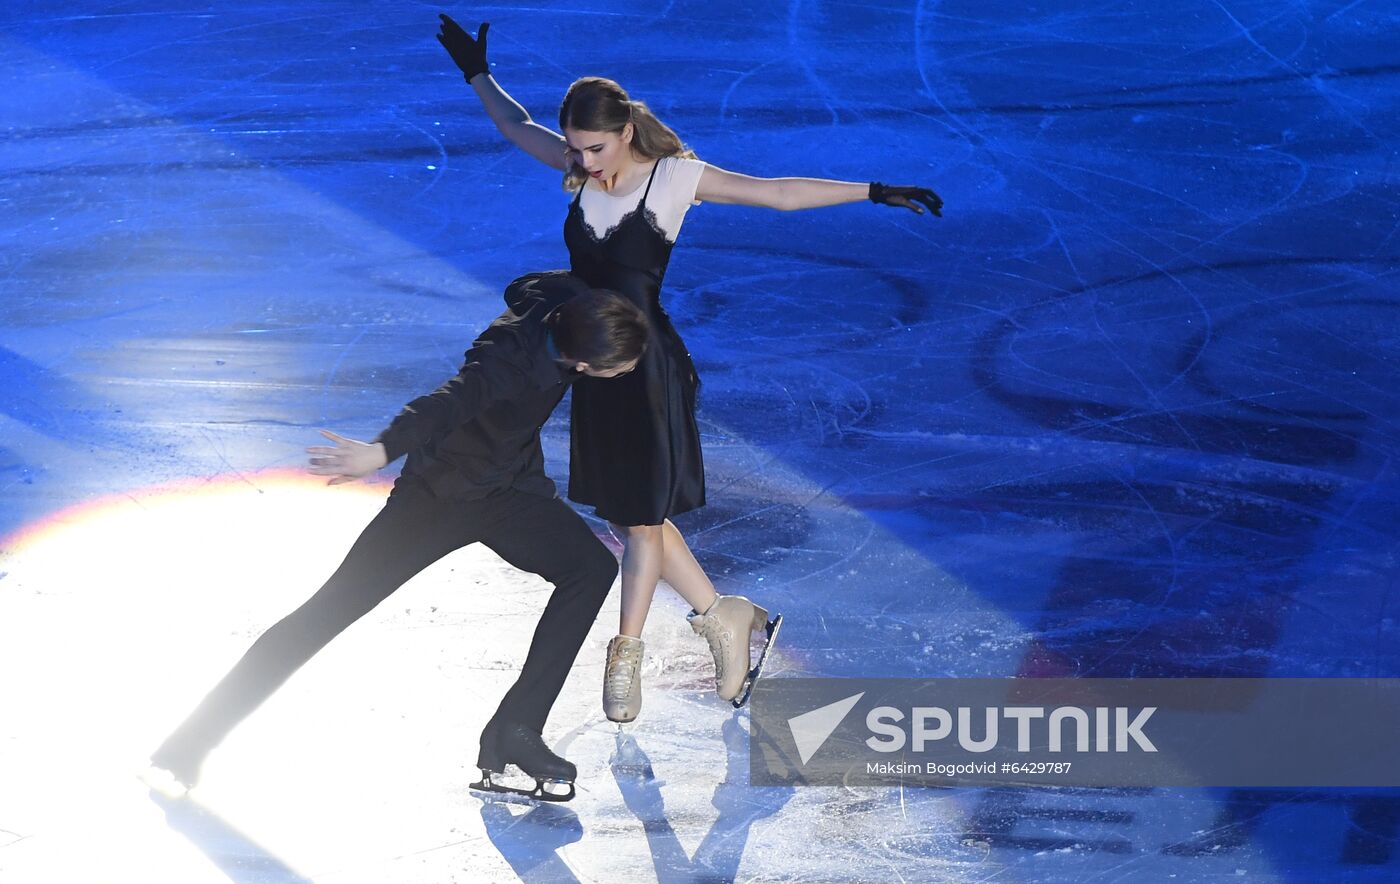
620	674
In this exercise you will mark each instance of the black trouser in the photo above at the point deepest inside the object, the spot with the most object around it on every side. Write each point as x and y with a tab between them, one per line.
536	534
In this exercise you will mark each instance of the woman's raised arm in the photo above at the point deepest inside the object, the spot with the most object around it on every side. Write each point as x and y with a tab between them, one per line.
718	186
514	121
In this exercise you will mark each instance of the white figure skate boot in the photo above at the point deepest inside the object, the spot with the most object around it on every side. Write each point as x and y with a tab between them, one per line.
727	625
622	679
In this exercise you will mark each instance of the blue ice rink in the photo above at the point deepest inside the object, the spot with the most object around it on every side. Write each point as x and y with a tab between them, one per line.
1130	408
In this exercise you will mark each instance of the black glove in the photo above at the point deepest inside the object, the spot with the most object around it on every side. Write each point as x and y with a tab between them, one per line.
906	197
469	54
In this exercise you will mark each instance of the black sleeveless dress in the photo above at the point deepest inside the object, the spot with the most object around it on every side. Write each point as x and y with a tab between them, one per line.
634	445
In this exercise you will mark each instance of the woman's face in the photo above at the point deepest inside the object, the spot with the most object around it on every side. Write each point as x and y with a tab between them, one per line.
601	154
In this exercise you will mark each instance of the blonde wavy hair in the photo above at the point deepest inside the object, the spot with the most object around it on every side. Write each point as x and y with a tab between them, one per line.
597	104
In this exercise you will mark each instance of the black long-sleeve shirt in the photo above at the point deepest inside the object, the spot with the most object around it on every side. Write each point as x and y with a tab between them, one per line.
480	431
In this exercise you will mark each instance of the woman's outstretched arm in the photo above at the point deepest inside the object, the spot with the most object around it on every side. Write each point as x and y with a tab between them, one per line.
514	121
788	194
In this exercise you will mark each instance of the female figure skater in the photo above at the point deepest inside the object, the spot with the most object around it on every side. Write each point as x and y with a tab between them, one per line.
635	448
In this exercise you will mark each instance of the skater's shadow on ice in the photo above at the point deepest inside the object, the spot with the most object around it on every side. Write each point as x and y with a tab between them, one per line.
740	806
530	841
243	860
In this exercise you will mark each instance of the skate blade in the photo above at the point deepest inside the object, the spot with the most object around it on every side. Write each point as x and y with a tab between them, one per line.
538	793
162	782
772	629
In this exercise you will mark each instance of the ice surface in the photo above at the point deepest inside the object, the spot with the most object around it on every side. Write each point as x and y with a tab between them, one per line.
1128	409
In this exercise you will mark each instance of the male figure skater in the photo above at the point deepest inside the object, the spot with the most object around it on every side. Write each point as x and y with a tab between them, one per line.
475	473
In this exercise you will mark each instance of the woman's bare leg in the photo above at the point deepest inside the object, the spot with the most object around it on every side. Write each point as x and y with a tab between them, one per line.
641	568
652	553
679	568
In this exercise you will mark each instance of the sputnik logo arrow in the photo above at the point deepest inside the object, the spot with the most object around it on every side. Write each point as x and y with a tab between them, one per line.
811	729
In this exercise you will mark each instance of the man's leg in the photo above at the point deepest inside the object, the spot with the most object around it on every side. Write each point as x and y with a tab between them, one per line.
412	531
545	537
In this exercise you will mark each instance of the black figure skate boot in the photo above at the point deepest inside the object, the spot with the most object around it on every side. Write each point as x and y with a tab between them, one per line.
510	743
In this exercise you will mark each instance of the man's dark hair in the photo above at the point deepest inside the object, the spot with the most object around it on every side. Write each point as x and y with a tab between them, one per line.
601	328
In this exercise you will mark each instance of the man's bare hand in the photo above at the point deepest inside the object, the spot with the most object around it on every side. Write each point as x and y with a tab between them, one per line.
348	460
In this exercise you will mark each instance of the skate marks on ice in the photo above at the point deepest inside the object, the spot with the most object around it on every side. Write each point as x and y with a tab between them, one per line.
1059	189
1361	827
1125	832
170	319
